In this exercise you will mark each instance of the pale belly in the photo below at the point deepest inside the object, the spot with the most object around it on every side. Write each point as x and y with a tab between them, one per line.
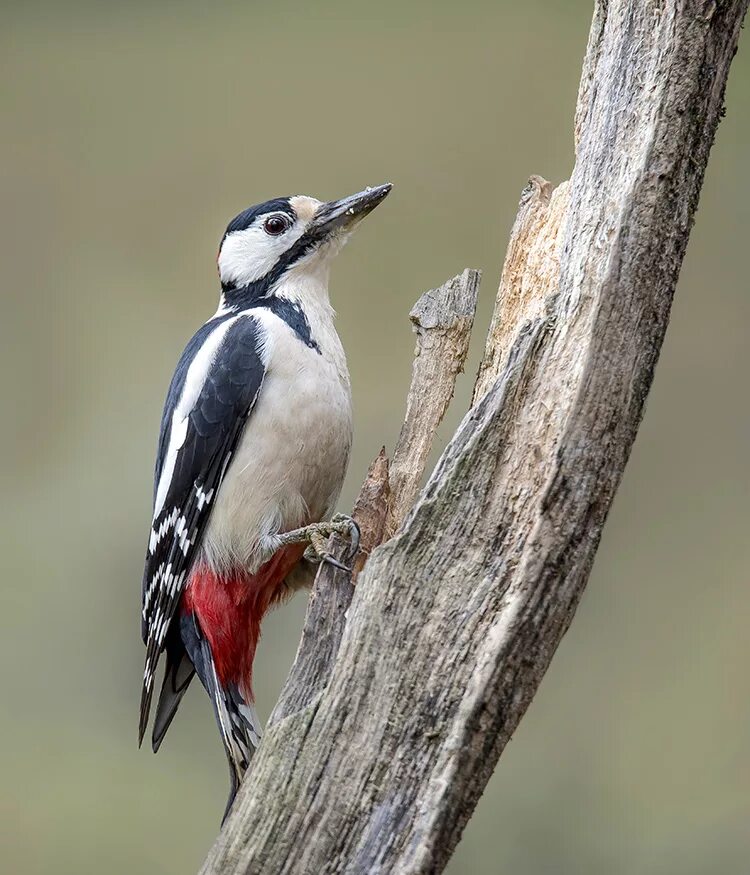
290	464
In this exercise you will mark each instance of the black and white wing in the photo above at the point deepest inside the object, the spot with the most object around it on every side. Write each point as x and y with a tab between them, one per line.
213	391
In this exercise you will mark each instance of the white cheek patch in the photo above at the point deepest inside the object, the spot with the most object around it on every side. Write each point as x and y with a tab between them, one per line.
248	255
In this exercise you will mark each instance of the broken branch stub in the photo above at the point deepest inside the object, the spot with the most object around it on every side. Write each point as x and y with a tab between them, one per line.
442	320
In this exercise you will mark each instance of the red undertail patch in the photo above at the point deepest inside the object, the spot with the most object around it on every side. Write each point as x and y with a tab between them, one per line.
230	607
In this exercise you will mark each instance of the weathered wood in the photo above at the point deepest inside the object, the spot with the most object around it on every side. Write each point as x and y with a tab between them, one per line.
371	510
530	274
442	319
454	620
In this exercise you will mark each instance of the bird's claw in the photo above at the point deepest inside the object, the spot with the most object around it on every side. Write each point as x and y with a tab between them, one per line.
347	526
328	559
318	534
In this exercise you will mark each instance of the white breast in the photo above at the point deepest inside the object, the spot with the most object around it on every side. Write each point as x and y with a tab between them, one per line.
290	464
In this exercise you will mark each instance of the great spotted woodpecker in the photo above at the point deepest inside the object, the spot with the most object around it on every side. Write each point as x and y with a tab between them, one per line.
252	453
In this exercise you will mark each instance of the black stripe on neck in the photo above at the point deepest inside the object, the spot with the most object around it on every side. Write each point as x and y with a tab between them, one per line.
293	315
291	312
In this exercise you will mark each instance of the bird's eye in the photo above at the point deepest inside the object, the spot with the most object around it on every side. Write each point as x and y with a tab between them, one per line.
275	225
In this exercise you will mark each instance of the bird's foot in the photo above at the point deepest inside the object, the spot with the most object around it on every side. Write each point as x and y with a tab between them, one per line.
317	535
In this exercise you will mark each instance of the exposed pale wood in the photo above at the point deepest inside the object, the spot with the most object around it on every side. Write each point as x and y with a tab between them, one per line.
530	274
454	620
371	509
442	319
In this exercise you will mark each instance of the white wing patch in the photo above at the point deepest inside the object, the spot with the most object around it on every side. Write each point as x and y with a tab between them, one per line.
194	382
177	434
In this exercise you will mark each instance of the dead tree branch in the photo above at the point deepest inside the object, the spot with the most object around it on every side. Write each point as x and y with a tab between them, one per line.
443	319
455	619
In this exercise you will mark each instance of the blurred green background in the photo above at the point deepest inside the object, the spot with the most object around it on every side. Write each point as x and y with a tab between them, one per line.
130	134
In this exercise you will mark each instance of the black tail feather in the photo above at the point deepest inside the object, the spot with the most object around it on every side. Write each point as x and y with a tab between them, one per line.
237	719
178	673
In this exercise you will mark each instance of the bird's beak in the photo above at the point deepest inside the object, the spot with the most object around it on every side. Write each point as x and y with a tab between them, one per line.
342	214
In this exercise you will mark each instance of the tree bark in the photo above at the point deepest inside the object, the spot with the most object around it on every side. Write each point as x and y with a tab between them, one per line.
454	620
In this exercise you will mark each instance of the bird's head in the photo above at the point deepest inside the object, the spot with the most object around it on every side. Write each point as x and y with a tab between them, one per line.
267	242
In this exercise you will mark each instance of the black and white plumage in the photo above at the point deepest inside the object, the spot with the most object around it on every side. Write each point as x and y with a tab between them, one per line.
213	391
254	442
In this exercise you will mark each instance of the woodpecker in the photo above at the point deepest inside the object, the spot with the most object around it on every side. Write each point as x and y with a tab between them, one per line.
253	448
